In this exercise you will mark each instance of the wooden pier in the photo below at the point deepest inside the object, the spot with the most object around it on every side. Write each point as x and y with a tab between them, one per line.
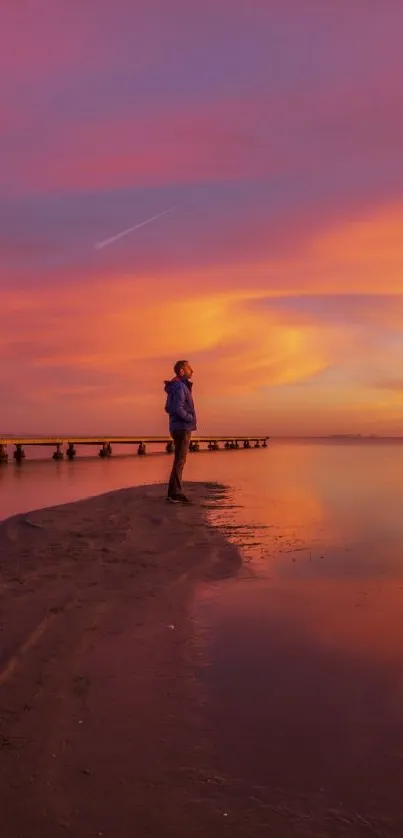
65	446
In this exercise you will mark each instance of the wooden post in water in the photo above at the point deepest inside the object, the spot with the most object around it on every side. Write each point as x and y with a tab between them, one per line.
71	451
19	453
58	454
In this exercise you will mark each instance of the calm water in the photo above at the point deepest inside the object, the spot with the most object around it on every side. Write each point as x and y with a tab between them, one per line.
304	655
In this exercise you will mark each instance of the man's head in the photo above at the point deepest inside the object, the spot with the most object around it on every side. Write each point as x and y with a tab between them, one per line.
183	369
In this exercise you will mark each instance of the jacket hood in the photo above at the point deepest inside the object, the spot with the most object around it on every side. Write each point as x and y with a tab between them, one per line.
169	385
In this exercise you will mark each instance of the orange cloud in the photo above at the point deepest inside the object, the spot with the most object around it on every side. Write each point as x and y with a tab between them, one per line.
364	253
129	347
111	329
112	341
354	256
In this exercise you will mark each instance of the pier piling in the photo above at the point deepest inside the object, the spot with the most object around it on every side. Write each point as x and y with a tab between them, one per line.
106	450
71	451
19	453
58	454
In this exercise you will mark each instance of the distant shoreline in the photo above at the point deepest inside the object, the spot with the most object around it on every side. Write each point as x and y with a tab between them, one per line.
272	436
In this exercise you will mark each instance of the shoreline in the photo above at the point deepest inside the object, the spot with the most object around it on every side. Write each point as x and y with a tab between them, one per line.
100	707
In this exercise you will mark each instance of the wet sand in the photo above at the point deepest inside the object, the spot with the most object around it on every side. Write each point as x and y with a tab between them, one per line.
100	713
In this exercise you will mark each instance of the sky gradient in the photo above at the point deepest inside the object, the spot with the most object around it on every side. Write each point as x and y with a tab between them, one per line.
275	128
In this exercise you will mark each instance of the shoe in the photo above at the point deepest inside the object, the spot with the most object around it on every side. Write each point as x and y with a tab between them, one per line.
178	499
184	499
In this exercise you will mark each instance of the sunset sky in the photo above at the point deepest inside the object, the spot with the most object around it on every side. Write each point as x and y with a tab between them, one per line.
275	129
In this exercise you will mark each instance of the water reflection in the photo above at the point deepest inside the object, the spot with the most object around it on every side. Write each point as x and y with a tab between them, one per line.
306	655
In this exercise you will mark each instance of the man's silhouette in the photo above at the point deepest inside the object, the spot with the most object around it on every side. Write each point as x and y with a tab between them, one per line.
182	421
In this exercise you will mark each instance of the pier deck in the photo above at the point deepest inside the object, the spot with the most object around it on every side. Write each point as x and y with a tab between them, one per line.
66	445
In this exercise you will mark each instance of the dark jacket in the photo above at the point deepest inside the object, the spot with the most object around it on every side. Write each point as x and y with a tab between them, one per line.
179	405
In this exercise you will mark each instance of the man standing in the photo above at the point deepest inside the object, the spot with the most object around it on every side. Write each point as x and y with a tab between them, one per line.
182	421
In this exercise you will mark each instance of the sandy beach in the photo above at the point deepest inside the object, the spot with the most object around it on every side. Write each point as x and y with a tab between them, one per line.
99	711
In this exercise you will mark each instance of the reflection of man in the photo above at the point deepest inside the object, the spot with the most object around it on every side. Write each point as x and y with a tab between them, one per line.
182	421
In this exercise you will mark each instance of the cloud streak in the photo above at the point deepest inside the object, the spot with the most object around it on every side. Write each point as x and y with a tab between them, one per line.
123	233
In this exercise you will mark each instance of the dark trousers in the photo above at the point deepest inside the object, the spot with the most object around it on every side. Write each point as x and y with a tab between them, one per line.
181	441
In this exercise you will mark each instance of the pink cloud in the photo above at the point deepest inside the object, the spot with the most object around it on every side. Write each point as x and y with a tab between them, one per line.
215	141
165	145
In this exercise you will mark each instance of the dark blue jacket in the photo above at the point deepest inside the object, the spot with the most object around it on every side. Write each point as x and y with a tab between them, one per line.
179	405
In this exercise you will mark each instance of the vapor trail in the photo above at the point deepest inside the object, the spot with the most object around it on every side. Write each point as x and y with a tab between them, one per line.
112	239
